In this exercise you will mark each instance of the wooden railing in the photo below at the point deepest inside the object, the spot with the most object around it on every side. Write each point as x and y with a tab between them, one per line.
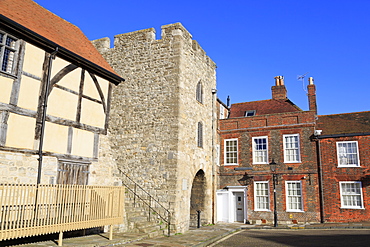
30	210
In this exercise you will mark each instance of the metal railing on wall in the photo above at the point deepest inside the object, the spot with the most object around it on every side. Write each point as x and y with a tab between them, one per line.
31	210
155	209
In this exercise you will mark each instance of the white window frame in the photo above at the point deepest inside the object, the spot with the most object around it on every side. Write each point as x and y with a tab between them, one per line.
289	196
250	113
235	152
257	196
288	150
343	157
351	195
222	112
256	152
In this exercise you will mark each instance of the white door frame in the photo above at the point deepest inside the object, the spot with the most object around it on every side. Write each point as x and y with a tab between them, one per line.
231	212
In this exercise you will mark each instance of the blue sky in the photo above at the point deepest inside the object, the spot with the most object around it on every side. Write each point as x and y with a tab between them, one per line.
253	41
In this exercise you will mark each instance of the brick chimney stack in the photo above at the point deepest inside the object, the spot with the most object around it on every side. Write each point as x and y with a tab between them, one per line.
311	88
279	91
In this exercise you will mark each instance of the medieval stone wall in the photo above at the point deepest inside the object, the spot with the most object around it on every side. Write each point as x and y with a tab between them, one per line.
155	115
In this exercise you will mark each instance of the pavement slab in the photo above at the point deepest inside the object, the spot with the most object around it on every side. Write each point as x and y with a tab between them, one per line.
197	237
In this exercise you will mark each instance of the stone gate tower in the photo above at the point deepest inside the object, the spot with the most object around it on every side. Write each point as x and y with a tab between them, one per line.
162	118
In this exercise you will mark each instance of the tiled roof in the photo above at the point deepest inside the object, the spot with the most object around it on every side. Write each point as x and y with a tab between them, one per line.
346	123
32	16
263	107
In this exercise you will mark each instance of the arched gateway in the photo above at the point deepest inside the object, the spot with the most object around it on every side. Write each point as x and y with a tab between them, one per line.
197	199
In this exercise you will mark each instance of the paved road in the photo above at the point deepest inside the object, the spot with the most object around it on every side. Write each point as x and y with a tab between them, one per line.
301	238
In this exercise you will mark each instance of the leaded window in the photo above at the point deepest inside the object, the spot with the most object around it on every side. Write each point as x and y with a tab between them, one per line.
8	52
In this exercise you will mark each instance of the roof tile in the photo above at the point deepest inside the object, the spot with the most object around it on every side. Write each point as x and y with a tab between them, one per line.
263	107
345	123
41	21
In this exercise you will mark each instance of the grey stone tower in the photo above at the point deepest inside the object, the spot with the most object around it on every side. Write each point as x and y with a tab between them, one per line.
163	120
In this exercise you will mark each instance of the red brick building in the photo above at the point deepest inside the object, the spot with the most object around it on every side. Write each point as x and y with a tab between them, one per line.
344	162
255	135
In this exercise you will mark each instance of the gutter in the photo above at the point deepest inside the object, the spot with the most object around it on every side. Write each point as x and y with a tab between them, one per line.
343	135
319	169
49	46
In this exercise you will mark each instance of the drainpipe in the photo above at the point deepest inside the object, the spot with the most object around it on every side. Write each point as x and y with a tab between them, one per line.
321	192
44	108
214	91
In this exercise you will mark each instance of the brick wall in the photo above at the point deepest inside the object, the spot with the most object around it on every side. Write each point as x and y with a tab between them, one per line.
333	174
274	126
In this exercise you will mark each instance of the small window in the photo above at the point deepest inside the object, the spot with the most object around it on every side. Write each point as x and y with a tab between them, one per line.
199	93
351	195
8	52
200	134
347	153
250	113
261	196
260	152
231	151
294	196
291	148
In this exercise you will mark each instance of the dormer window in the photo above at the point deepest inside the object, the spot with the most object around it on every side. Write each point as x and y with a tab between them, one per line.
250	113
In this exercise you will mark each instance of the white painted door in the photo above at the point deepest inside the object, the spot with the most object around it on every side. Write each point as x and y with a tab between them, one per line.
223	206
239	206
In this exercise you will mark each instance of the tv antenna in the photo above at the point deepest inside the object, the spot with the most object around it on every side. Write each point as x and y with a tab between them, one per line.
301	78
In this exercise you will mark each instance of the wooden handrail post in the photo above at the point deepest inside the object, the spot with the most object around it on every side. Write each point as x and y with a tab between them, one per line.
60	240
110	232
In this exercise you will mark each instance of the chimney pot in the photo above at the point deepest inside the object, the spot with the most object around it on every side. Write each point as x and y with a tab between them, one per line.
310	80
279	91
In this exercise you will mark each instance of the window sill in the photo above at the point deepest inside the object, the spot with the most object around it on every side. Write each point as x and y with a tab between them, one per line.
262	210
349	166
295	211
231	164
352	208
9	75
292	162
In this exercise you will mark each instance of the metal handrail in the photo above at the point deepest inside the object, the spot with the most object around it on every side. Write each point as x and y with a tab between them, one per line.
151	199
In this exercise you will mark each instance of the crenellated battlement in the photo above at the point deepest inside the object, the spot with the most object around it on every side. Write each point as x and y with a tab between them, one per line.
170	34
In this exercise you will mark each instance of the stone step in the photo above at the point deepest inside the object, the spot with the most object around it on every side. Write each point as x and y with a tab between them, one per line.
135	213
145	224
150	229
137	216
155	234
137	219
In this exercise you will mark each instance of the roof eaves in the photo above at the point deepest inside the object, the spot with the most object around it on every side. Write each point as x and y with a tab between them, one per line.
51	46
